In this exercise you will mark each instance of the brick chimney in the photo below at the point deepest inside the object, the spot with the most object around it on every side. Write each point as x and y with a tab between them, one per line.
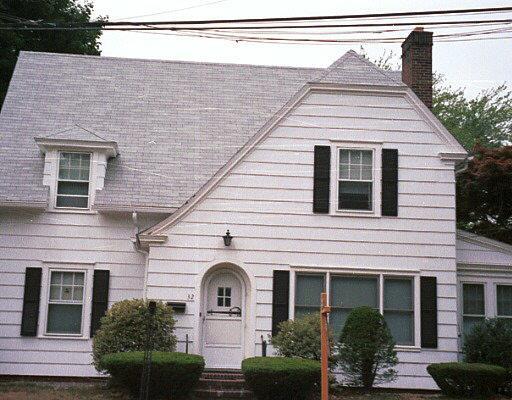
417	64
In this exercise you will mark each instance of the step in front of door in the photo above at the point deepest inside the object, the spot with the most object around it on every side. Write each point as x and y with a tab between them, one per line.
222	385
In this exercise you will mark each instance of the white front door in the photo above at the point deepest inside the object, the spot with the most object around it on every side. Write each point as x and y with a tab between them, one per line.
223	321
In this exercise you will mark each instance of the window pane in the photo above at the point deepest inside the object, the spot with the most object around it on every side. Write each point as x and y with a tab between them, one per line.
76	202
355	172
67	278
349	292
401	325
344	171
56	278
301	311
67	292
78	279
355	195
78	293
78	188
355	157
367	158
308	290
366	172
398	294
227	302
504	294
337	319
64	318
344	158
54	292
473	299
468	323
227	292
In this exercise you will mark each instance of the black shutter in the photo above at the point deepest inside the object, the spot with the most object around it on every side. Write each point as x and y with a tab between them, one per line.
31	296
99	298
321	179
280	299
428	312
390	182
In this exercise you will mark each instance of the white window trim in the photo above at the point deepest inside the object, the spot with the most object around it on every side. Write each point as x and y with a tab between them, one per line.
87	269
380	274
496	284
376	148
90	181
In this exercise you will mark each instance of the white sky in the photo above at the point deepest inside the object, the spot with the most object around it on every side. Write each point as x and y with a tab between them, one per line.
473	65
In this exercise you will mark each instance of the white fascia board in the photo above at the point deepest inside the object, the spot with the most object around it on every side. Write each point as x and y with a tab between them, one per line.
47	144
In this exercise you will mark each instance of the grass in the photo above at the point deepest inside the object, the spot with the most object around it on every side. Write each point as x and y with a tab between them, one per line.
59	391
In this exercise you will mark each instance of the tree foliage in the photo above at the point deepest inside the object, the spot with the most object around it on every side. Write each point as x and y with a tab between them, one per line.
28	11
366	349
124	328
485	119
484	194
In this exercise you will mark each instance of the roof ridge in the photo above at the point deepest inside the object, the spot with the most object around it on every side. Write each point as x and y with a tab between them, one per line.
155	60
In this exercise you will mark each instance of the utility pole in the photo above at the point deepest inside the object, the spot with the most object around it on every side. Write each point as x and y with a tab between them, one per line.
324	337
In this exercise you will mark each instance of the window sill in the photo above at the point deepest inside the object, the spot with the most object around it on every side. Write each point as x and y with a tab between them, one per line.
355	213
61	336
72	211
404	348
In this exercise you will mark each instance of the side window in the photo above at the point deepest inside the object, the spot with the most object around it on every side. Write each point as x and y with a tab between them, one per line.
399	309
473	307
65	303
73	180
504	301
308	290
355	180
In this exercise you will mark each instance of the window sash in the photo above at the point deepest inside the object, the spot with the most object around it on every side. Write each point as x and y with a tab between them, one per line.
360	166
74	307
65	165
504	305
314	304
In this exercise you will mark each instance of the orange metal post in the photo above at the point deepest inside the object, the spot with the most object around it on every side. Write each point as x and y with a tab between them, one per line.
324	311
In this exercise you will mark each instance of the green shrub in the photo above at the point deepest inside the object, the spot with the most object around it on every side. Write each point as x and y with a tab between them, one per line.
366	349
173	375
490	342
300	338
280	378
123	329
468	380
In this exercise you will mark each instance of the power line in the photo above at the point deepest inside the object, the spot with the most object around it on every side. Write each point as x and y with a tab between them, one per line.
101	24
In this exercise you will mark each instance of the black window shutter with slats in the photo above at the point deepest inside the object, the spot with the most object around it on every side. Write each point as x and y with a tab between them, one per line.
321	179
428	312
31	296
390	182
280	299
99	298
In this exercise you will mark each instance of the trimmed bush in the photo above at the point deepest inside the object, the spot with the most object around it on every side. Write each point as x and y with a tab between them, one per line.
173	375
281	378
123	329
468	380
490	342
366	349
300	338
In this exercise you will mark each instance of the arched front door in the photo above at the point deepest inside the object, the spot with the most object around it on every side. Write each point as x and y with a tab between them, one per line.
223	317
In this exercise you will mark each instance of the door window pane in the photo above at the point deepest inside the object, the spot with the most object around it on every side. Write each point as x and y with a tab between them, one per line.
504	300
307	294
348	293
399	309
473	306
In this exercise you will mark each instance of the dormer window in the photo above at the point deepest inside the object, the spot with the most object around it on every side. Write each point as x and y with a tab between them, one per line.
73	180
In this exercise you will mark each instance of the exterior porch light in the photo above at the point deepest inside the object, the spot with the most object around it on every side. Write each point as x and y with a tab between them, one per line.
227	238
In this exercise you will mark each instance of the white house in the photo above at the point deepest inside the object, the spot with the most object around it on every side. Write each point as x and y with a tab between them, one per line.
120	177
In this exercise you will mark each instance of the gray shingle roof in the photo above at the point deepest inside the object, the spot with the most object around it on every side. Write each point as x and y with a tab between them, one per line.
176	123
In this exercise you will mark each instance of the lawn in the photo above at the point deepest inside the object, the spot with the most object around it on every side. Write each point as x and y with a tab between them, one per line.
100	391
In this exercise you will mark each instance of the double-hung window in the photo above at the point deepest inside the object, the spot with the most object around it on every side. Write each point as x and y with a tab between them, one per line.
66	301
355	179
308	288
504	301
473	307
73	180
399	309
349	292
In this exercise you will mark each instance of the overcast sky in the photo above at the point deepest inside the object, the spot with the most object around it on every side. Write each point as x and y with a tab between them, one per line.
473	65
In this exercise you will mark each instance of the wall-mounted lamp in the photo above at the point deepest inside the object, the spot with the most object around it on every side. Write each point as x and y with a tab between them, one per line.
227	238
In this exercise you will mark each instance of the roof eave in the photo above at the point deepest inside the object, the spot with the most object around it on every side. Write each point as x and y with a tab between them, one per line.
108	147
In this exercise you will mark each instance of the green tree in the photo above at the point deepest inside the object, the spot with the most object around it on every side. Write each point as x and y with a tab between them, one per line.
30	12
484	194
485	119
366	349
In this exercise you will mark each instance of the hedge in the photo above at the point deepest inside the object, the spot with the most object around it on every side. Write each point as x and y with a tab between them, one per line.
281	378
468	379
173	375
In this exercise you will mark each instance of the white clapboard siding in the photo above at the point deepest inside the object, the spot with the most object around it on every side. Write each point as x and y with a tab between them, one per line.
29	239
266	203
471	252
